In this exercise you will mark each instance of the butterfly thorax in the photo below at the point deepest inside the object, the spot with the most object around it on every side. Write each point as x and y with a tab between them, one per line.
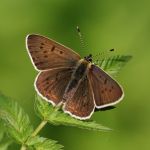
88	58
78	75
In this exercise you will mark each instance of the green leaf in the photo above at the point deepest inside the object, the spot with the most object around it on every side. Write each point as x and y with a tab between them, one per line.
4	140
16	120
2	130
57	117
112	65
41	143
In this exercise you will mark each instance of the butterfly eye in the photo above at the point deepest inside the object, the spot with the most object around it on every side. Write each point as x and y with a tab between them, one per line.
90	59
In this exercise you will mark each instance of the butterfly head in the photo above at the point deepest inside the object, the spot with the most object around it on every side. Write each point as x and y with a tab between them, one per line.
88	58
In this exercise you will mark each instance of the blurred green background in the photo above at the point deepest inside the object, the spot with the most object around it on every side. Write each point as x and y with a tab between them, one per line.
106	24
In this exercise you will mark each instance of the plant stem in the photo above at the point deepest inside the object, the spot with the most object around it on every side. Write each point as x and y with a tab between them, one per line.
38	129
23	147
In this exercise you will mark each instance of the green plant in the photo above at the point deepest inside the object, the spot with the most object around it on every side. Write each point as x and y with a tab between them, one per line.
16	123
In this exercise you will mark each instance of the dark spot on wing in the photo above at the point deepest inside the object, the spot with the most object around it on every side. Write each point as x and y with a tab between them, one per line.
109	90
105	81
47	82
105	89
52	48
41	47
45	56
42	43
44	51
112	87
61	52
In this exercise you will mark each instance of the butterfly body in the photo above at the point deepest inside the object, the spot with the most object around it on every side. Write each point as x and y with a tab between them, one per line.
79	73
65	78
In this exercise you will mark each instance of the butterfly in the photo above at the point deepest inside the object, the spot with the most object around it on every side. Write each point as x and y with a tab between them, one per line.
66	79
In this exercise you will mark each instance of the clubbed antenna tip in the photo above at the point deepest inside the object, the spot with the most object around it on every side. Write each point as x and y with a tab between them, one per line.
112	50
78	29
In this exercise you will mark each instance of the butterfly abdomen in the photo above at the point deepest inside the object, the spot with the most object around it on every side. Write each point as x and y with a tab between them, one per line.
77	76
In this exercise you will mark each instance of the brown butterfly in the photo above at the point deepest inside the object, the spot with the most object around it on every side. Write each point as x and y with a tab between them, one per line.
67	79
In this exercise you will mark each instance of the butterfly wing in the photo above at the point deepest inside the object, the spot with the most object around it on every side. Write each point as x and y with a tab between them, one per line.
51	84
48	54
82	105
107	92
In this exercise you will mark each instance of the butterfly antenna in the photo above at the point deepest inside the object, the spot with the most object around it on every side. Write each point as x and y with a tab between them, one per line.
81	38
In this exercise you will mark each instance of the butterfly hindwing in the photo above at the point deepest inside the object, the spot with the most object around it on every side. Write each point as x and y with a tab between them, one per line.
51	84
81	105
48	54
106	90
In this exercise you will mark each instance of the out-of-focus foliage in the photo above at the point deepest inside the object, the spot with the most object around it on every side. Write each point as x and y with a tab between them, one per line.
5	141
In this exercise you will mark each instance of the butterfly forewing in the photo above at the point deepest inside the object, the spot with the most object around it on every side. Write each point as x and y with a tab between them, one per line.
51	84
48	54
106	91
81	105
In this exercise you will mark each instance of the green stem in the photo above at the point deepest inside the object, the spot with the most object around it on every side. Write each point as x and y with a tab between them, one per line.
23	147
38	129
